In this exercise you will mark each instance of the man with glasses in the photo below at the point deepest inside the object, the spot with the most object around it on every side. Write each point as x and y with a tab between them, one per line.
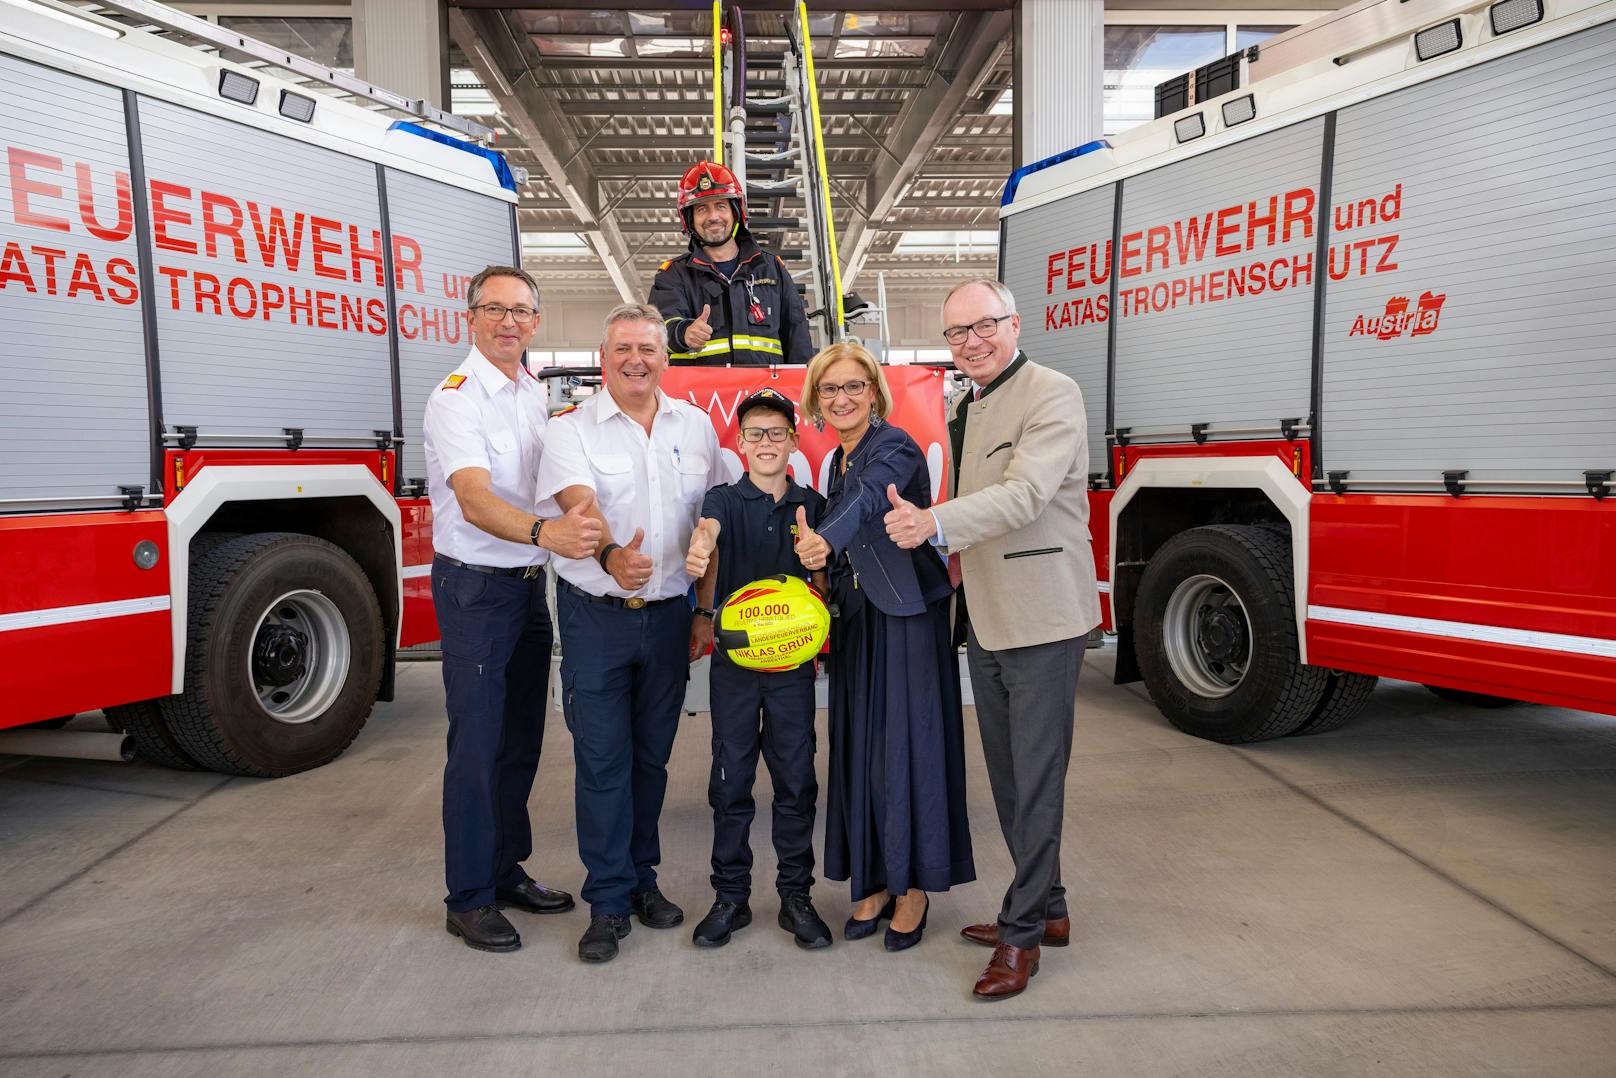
1017	533
747	531
484	436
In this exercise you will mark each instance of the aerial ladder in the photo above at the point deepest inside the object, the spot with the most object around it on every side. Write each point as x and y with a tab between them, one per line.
767	129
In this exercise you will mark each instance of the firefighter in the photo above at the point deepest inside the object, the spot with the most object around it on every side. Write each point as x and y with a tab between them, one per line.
727	300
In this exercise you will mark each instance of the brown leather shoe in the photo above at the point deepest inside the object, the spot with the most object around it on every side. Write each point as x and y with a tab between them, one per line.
1007	974
1057	933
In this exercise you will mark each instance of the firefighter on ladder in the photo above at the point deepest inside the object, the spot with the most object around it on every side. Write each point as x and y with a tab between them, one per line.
727	300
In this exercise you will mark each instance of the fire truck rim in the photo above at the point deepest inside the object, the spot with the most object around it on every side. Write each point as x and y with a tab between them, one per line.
325	652
1208	649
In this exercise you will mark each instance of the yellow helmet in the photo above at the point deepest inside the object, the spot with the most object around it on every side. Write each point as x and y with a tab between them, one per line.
777	623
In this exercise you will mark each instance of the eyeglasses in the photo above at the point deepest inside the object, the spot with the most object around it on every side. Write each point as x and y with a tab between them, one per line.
496	313
757	434
984	329
830	390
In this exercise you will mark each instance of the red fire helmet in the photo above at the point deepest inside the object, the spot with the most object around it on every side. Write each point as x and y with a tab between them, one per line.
709	179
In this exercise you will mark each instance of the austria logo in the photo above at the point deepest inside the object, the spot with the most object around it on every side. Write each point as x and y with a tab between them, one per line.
1397	318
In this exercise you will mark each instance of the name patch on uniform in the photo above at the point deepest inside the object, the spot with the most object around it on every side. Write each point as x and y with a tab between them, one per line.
454	381
764	280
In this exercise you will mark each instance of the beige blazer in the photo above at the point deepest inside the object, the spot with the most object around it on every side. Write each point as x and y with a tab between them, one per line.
1020	516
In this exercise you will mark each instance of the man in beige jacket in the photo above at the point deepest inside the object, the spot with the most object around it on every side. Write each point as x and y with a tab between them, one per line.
1017	532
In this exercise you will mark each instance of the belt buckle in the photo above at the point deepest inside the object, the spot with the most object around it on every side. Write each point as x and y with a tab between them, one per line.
635	603
531	571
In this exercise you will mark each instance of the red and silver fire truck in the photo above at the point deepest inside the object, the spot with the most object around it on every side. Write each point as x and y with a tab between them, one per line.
1344	317
225	296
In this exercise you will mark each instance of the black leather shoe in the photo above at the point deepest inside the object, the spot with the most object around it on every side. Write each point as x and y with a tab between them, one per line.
654	911
531	897
599	942
856	929
483	929
798	916
722	920
902	941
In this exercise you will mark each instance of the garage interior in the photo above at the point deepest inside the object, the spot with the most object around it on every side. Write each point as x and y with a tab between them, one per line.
1427	891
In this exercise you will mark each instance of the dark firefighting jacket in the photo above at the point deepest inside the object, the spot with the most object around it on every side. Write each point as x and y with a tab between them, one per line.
757	315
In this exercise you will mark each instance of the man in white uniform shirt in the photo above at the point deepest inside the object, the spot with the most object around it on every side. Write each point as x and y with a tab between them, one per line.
484	437
641	463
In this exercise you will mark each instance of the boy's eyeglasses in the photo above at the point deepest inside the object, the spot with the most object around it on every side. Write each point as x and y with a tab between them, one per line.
757	434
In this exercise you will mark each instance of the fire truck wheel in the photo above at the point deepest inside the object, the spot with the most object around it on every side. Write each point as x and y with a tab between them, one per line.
1344	696
284	655
1215	631
154	741
1474	699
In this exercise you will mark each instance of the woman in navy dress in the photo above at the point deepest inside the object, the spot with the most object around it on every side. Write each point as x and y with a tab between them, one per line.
895	822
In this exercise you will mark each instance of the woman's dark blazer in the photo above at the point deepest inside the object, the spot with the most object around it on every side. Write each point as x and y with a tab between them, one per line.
901	582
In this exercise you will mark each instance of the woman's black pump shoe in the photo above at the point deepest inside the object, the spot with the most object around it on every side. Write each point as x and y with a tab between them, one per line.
902	941
856	929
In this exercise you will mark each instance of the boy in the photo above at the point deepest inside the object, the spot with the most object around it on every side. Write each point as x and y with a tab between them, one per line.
747	531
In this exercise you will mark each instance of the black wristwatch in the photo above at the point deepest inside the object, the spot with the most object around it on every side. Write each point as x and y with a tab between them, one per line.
703	612
533	536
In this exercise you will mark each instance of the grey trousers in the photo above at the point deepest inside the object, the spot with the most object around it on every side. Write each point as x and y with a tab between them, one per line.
1025	707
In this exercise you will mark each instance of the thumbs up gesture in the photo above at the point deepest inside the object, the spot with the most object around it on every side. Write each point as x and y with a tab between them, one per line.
812	549
908	525
702	544
575	533
629	566
699	332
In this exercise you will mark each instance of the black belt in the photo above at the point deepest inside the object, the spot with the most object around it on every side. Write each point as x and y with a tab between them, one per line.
526	572
631	603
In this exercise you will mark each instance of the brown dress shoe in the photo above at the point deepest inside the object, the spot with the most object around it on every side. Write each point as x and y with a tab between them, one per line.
1057	933
1007	974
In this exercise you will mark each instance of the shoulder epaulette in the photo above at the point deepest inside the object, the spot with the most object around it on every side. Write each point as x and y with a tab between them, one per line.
666	262
566	410
454	381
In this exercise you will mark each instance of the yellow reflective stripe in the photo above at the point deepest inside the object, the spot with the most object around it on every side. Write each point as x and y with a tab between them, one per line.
760	344
716	346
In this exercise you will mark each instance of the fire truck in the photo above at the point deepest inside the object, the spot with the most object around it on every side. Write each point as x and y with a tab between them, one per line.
1344	317
225	296
229	280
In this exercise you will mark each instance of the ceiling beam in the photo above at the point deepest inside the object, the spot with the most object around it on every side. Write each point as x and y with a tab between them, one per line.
977	42
600	106
506	60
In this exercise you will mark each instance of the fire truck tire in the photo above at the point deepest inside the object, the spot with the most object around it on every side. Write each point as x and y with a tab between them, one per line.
1344	696
154	741
1474	699
284	655
1215	632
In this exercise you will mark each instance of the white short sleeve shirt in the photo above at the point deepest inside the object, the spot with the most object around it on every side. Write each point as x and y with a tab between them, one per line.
479	418
655	482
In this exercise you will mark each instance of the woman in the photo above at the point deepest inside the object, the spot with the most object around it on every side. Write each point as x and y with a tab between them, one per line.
895	819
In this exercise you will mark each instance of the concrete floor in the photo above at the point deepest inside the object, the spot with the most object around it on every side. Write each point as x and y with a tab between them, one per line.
1431	891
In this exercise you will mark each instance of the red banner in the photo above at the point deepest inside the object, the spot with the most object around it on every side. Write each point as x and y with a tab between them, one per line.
917	407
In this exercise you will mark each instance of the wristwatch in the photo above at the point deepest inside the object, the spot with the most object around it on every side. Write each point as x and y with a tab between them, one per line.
533	536
703	612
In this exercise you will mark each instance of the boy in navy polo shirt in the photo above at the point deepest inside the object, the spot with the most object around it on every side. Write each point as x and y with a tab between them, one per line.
747	531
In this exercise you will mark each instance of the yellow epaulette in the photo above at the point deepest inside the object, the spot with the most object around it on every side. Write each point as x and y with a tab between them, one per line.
454	381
